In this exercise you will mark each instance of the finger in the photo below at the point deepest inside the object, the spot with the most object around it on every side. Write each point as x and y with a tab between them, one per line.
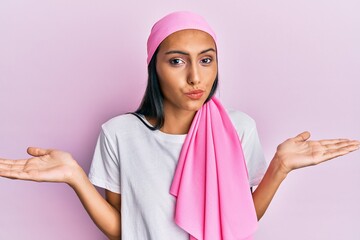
333	153
37	152
12	166
15	175
342	144
332	141
302	137
11	161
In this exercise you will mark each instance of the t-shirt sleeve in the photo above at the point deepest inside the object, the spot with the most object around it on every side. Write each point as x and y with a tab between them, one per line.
105	167
253	152
254	156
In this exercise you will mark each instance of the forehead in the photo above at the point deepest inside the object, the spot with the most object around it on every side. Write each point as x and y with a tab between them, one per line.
187	39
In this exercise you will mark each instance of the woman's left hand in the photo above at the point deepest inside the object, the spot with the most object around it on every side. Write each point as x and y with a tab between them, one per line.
298	152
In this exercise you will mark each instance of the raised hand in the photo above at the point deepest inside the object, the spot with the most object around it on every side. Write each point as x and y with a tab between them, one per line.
46	165
298	152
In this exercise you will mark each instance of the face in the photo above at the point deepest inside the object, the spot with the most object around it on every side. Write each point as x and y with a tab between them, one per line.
186	65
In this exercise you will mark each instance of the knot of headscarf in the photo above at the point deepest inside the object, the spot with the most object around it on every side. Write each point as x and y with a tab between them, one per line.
213	198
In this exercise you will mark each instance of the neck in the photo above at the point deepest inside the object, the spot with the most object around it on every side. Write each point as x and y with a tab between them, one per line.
176	121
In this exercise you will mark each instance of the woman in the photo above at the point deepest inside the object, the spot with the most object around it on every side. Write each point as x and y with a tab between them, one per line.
176	168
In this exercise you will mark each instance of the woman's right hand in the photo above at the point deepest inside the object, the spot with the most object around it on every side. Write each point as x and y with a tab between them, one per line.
49	165
46	165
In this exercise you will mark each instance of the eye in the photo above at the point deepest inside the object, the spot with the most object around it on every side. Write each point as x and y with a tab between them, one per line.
176	61
206	60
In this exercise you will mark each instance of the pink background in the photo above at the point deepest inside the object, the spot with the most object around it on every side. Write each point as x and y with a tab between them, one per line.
68	66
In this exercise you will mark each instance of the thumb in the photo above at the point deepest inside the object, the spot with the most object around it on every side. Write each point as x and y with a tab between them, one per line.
302	137
37	152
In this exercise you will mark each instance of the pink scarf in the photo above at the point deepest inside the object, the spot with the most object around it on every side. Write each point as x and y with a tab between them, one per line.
213	198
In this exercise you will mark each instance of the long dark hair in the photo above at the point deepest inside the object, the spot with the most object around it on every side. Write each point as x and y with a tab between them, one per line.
152	102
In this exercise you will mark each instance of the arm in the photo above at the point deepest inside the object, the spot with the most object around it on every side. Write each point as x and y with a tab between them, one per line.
267	188
115	200
104	213
296	153
58	166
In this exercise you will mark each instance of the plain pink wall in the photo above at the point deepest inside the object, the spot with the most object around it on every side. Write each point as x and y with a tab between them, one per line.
68	66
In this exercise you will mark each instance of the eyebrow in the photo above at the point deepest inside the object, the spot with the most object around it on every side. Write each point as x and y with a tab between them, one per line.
185	53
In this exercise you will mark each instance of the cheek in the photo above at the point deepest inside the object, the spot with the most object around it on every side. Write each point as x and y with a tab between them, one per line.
167	82
162	77
170	78
211	75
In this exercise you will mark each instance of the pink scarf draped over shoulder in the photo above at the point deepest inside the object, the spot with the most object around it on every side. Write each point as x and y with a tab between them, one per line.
213	198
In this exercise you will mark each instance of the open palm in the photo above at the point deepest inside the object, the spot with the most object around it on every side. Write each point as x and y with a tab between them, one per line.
45	165
298	152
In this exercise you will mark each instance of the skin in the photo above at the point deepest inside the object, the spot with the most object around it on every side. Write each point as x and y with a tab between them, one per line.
183	66
184	63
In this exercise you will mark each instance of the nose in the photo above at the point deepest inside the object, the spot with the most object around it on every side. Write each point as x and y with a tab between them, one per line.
193	74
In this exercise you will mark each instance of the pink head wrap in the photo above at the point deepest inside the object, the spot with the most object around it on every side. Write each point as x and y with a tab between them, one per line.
174	22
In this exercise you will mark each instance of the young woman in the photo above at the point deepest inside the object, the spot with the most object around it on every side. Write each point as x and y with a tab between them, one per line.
181	166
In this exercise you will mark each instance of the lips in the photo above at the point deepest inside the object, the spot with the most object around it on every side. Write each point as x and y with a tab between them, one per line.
195	95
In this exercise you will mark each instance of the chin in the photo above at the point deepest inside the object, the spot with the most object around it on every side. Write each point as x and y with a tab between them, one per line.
194	105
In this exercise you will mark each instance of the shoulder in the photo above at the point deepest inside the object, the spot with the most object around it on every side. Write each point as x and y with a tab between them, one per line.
243	123
126	124
120	120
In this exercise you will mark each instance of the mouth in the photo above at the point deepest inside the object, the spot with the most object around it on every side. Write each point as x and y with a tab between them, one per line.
195	95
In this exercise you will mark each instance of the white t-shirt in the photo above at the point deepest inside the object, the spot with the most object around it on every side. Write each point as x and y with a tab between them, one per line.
139	163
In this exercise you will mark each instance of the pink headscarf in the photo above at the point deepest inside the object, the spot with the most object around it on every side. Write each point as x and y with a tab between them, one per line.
213	198
174	22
